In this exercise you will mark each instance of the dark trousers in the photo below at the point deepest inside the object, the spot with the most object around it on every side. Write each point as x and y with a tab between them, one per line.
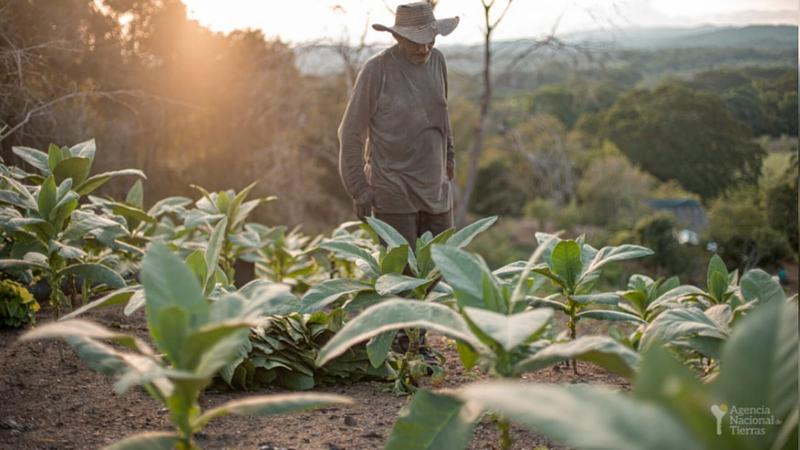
414	225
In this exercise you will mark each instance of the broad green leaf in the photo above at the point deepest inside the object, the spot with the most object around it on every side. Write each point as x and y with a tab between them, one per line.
601	350
151	440
434	421
65	206
538	302
464	236
378	347
509	331
94	272
131	213
196	262
718	285
351	252
84	149
716	265
117	297
395	259
423	252
36	158
605	298
611	254
136	302
95	181
395	315
674	295
762	352
463	272
566	262
25	196
666	381
74	168
54	156
583	417
214	248
757	284
275	299
392	237
99	357
85	329
521	289
202	344
168	282
270	405
605	314
46	198
135	196
169	332
22	264
394	283
677	323
169	205
327	292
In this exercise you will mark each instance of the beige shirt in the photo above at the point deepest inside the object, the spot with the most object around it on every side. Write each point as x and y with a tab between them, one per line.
395	136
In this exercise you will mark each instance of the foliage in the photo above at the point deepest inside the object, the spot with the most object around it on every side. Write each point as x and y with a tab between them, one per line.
573	267
391	270
760	352
196	338
51	233
739	227
17	305
661	131
282	351
612	192
502	192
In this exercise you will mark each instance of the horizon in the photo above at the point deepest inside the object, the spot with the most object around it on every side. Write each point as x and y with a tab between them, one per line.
307	21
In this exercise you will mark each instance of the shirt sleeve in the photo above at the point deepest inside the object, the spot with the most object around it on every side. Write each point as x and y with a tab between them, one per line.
354	129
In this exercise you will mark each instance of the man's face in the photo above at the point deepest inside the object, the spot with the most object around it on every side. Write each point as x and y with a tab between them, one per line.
415	53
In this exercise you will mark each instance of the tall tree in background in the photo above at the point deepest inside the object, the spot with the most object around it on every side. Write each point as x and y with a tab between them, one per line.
678	133
479	129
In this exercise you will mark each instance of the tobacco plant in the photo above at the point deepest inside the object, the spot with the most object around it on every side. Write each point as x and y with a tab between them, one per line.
491	325
574	267
195	338
667	408
697	327
390	268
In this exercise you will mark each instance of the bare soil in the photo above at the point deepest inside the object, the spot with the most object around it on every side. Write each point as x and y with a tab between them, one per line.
51	400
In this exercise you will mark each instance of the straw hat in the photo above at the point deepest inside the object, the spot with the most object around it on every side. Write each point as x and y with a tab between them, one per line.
415	22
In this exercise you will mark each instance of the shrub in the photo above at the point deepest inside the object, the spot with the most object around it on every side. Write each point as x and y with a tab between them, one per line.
17	305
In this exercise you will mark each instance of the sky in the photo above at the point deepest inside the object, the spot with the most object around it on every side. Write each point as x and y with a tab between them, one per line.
314	20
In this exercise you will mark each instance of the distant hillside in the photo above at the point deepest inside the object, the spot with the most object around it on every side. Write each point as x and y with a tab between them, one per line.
754	36
750	45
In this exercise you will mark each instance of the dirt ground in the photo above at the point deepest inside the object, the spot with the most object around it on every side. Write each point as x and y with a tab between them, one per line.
50	402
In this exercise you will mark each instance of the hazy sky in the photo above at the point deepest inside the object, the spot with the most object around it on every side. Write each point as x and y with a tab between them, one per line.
305	20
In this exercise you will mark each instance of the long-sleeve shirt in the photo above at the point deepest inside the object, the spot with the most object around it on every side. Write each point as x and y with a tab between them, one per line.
395	137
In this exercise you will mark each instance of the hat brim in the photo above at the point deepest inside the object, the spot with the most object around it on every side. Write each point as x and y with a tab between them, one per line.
422	34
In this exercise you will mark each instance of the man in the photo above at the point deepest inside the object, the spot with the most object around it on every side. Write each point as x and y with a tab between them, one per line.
396	155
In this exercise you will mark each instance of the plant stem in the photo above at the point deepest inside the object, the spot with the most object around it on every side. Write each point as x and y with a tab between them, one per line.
505	433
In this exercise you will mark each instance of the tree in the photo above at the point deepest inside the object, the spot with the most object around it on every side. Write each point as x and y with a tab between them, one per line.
485	104
676	132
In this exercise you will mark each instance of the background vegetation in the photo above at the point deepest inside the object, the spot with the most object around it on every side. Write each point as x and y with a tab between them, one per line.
580	137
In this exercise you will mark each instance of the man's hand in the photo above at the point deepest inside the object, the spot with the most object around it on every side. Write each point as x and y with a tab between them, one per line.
363	204
451	169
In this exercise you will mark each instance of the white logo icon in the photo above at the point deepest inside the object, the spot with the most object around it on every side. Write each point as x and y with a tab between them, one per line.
719	412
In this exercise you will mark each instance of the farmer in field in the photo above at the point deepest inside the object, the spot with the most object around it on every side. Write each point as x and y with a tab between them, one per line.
396	155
